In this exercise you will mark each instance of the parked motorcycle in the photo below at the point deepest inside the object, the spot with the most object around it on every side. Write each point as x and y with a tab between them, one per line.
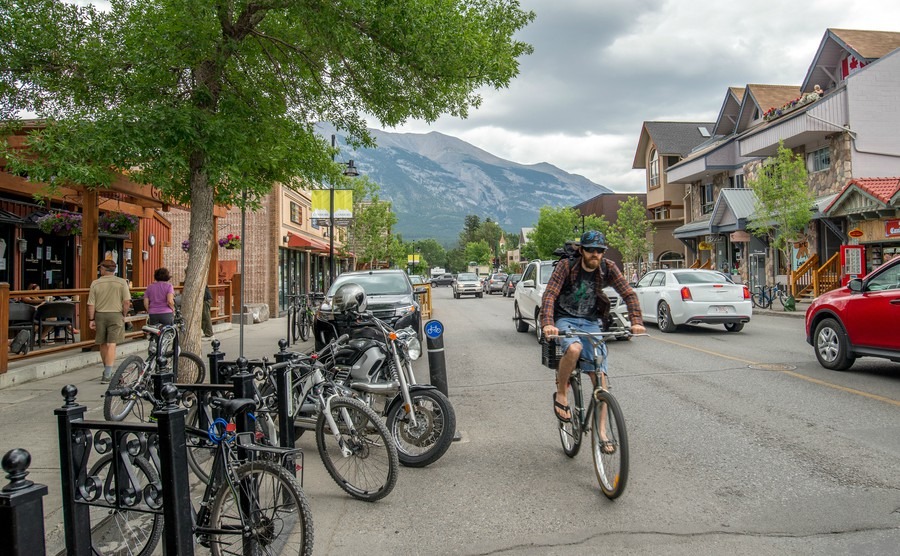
376	362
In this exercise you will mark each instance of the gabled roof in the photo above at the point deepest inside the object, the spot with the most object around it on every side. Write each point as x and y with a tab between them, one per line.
741	202
759	98
670	138
880	191
726	123
837	44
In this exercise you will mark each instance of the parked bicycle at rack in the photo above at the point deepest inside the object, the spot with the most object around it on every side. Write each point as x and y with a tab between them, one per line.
765	296
301	314
131	380
251	505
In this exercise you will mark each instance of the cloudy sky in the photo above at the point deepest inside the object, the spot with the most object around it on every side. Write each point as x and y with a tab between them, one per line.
602	67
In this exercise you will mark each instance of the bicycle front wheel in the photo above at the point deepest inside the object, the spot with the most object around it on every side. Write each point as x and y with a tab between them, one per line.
117	407
304	326
570	433
266	501
125	532
368	469
610	443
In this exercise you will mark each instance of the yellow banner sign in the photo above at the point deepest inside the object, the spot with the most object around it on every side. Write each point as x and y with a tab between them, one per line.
343	206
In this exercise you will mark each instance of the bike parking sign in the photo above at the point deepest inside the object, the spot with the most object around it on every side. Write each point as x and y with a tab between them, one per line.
434	329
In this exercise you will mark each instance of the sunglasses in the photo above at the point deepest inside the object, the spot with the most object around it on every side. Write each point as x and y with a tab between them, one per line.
593	249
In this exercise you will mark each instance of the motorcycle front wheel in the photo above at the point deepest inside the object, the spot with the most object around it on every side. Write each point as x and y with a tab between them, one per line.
425	442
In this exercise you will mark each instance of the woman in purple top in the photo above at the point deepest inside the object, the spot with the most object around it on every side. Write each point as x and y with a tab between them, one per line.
160	299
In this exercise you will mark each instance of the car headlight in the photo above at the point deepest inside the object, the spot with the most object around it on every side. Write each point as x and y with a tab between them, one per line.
405	310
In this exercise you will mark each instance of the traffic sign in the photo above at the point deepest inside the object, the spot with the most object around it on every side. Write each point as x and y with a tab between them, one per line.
434	329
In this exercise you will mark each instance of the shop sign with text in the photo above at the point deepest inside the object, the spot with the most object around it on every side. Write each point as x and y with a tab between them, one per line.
892	228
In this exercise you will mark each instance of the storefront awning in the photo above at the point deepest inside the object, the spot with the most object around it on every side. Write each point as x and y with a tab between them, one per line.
10	218
301	242
691	230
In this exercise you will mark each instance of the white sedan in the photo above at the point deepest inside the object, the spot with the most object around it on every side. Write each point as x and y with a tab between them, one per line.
693	296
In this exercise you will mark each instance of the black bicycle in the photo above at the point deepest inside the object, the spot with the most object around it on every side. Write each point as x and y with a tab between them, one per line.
602	418
302	313
765	296
252	505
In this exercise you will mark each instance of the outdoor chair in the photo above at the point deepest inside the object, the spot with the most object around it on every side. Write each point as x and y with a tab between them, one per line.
58	315
21	317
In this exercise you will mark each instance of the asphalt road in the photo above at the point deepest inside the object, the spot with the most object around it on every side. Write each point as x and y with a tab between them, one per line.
726	458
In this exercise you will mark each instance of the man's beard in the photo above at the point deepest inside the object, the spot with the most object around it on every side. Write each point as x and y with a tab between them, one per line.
591	263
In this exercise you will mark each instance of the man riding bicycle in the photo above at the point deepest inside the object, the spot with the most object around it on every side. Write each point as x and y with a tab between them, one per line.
574	298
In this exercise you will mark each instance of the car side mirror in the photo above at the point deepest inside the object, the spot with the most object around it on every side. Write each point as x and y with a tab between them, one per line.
528	284
856	285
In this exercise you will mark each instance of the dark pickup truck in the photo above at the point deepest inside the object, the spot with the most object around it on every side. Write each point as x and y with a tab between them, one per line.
442	280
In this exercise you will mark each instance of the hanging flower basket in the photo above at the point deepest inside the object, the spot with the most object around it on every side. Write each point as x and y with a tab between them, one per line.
230	241
60	223
186	245
117	223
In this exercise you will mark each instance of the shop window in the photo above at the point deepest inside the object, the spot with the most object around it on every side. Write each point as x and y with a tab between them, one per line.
737	181
654	169
661	213
707	197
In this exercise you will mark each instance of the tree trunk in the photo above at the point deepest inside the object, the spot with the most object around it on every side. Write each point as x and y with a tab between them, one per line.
200	253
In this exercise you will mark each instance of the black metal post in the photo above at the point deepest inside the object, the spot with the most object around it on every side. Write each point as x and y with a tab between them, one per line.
437	367
243	388
331	224
21	507
215	357
283	378
177	529
72	450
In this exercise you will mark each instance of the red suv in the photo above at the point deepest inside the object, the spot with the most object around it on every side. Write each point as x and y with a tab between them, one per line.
858	320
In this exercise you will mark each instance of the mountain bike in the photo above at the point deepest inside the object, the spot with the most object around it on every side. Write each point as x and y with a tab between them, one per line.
251	505
301	314
602	418
132	377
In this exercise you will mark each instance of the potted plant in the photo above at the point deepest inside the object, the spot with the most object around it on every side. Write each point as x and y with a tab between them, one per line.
137	302
60	223
231	241
117	223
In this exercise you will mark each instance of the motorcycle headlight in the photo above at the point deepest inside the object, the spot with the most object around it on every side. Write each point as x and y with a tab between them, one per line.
414	347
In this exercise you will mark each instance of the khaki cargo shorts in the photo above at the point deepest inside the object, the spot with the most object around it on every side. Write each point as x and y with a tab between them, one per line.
110	328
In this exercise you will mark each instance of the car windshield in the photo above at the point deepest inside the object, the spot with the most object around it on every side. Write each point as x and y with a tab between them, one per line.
415	279
466	277
700	278
374	284
500	276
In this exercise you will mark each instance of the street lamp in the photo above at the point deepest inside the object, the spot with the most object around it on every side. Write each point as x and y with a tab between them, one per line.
352	172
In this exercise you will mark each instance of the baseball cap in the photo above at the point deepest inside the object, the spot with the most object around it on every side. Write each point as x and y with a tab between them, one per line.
593	238
109	265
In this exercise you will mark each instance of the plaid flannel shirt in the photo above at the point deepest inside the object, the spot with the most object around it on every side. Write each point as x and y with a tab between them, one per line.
616	280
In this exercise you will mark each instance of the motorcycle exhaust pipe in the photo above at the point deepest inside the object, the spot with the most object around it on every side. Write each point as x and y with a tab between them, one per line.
382	388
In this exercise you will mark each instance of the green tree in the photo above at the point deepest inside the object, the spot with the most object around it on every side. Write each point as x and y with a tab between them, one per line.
469	233
432	252
371	227
630	233
456	260
478	251
213	102
556	226
783	200
512	240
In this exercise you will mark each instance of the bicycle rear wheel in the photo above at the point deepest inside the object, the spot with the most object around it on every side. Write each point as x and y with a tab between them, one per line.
279	520
191	369
611	454
304	325
126	532
570	433
117	407
295	324
369	471
200	450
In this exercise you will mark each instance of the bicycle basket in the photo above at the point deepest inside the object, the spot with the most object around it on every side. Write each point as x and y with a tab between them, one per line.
551	353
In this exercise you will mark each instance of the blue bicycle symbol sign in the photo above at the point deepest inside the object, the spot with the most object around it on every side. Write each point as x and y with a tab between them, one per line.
434	329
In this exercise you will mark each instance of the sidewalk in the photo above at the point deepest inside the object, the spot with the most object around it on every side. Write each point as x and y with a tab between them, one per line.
26	408
777	310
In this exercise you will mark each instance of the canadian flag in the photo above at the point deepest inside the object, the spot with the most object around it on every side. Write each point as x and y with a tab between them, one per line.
851	64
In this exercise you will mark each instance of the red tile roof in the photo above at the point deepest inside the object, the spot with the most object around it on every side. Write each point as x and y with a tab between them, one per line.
880	188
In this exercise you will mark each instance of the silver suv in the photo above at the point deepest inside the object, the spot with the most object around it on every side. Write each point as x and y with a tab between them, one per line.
530	291
467	283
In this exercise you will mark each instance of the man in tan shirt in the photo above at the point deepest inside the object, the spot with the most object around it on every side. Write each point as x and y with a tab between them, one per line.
108	302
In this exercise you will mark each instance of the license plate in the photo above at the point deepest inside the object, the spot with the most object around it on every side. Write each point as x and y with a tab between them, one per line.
720	309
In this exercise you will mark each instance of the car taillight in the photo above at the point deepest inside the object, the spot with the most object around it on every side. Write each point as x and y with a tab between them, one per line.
746	292
686	294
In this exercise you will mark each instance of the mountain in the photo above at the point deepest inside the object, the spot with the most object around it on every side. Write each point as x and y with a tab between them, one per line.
434	181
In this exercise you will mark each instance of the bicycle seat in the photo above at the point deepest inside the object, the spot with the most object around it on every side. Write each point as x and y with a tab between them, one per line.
232	407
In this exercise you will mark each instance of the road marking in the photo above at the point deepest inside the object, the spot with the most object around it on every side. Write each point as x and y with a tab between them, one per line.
875	397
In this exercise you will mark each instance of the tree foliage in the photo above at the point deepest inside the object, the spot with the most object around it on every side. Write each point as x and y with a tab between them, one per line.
630	233
556	226
783	200
214	102
479	252
370	228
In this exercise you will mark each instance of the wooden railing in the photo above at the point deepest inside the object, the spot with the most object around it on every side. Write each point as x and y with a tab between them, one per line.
221	308
802	279
828	276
